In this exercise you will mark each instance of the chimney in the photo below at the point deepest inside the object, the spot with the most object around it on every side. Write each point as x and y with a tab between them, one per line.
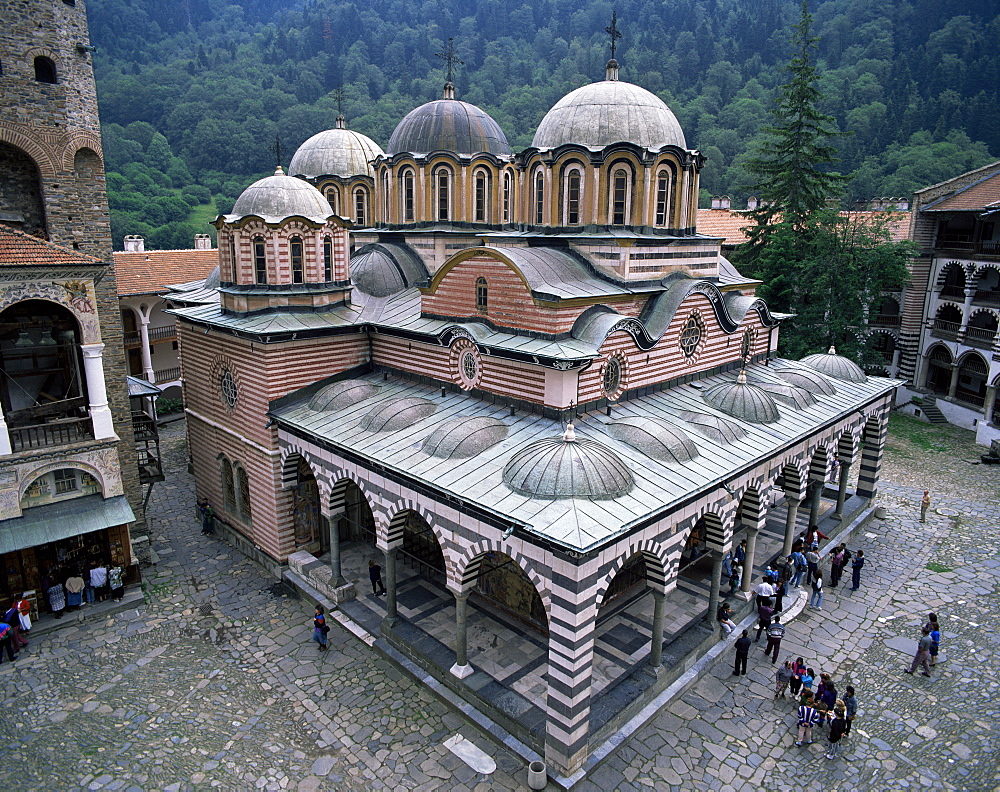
752	203
724	202
135	244
716	202
202	242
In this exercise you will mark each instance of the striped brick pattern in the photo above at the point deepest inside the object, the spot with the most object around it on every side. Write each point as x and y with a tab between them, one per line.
819	466
871	456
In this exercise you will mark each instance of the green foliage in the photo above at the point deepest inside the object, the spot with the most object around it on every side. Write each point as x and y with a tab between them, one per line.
166	406
218	80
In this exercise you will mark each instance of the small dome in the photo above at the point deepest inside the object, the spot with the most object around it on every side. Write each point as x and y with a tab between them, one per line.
448	125
809	380
654	438
461	438
566	467
381	269
280	196
742	400
795	397
607	112
335	152
397	414
341	394
836	366
712	426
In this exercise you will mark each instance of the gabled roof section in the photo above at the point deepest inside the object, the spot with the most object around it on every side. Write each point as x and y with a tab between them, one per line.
976	197
151	271
18	249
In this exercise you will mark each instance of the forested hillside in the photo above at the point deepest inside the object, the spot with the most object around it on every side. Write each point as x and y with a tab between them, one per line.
193	92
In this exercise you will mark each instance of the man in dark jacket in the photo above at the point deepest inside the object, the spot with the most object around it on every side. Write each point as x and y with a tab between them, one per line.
774	635
743	644
764	614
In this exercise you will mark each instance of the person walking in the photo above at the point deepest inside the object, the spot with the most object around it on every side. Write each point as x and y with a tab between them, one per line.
774	635
850	709
743	644
764	614
6	636
838	728
936	641
780	590
13	618
725	618
856	565
801	565
320	628
781	679
923	655
808	717
812	564
375	576
816	600
925	504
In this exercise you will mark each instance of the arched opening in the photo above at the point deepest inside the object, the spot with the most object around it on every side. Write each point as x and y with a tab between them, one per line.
664	198
231	243
228	484
982	329
539	198
385	196
360	206
482	196
45	70
972	376
988	287
442	187
572	195
508	189
42	390
327	259
354	519
298	264
420	550
243	494
881	348
333	198
407	209
939	367
885	313
58	485
502	583
482	294
947	322
952	281
133	342
620	196
259	259
305	506
21	191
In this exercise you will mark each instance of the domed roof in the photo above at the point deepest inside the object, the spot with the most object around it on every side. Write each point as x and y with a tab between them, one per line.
607	112
791	395
567	467
335	152
339	395
809	380
836	366
742	400
655	438
461	438
381	269
718	429
279	196
448	125
397	414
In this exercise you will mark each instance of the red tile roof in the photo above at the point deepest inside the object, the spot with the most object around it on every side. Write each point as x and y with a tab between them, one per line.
18	249
729	225
973	198
151	271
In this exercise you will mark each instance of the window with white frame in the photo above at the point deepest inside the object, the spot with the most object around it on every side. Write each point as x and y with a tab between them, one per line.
482	193
572	195
442	186
508	186
406	208
620	196
539	198
360	206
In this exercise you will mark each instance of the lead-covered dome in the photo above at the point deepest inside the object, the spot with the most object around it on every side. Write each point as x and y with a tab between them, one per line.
568	467
742	400
335	152
279	196
836	366
607	112
448	125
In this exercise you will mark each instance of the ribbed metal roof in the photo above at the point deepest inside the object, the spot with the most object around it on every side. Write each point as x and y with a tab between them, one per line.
448	125
809	380
279	196
655	438
462	438
335	152
382	269
836	366
712	426
742	400
786	393
397	414
339	395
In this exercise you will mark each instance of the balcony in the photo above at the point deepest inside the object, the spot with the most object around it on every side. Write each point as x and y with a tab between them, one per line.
156	336
953	293
57	432
987	298
981	337
966	243
166	375
945	330
883	321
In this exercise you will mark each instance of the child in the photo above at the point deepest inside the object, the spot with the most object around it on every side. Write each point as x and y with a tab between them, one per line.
781	679
806	697
936	637
808	718
807	680
320	628
798	669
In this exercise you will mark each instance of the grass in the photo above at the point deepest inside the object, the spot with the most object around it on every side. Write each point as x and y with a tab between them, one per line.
202	215
924	436
933	566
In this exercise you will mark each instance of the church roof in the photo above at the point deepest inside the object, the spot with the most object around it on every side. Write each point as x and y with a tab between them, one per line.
151	271
724	444
335	152
278	197
448	125
381	269
982	194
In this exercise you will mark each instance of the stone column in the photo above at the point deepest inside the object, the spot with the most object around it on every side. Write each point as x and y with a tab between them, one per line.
749	560
336	573
461	669
5	446
816	489
871	463
147	356
570	676
93	369
953	385
793	511
991	397
713	596
390	589
656	641
845	471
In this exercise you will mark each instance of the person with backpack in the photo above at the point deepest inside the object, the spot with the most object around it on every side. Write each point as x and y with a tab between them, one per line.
320	628
808	717
816	600
812	564
801	565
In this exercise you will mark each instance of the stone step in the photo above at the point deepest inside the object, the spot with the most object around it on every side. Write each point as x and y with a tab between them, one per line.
934	415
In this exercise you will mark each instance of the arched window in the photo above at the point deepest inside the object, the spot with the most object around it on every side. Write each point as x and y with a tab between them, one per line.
442	183
45	70
539	198
482	184
360	206
259	260
482	294
243	493
663	202
406	208
295	247
228	487
572	195
327	259
232	258
385	196
507	190
619	197
333	196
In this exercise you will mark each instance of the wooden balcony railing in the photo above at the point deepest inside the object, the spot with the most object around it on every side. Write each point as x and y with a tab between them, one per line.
884	321
967	243
60	431
953	292
167	375
986	298
943	329
982	337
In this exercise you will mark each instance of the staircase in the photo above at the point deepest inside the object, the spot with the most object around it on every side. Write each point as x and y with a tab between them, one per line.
930	408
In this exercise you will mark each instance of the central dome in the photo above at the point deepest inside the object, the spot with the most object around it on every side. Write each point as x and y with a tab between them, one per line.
279	196
607	112
335	152
448	125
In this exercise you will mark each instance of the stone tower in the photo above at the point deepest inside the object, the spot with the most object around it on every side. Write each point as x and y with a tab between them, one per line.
52	182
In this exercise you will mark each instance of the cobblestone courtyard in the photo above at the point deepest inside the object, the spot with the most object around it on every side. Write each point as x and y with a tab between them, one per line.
214	681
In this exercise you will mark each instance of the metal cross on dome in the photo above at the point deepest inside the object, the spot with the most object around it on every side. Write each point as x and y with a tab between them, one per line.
450	57
276	151
613	31
338	97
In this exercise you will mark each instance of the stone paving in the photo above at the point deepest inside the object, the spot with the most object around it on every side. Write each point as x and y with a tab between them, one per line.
214	682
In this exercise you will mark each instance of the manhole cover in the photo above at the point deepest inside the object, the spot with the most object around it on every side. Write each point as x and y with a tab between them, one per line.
947	512
206	609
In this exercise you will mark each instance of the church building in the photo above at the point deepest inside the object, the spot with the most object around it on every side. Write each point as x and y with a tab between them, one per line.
521	381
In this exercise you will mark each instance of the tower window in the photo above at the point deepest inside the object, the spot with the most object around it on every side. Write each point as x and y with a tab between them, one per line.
573	198
482	198
360	207
539	199
295	246
232	258
619	198
385	196
408	196
45	70
506	196
333	196
327	259
259	260
443	194
482	294
662	189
